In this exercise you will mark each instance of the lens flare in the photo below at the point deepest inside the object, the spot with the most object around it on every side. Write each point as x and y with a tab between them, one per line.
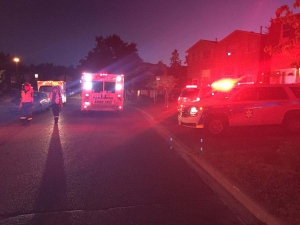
224	84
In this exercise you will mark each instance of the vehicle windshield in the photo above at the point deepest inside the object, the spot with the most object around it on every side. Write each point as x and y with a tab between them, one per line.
46	88
190	93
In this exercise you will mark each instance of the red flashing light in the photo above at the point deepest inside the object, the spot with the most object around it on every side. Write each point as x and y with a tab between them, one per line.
224	84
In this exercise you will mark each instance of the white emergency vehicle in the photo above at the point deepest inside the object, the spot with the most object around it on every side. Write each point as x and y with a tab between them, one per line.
249	105
46	87
102	92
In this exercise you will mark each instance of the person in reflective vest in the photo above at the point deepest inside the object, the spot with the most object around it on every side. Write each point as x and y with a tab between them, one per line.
56	102
26	104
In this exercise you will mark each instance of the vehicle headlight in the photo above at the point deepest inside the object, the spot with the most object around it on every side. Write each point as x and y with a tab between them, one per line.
196	99
194	111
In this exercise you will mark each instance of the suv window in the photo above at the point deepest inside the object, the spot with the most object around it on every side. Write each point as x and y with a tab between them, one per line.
247	94
272	93
261	94
296	91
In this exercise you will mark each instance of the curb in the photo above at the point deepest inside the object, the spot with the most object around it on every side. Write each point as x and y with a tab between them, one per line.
255	208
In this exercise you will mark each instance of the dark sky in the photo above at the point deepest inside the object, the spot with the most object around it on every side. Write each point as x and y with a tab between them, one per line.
63	32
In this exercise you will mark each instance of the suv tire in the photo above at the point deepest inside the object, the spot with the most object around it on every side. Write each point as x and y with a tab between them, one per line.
291	123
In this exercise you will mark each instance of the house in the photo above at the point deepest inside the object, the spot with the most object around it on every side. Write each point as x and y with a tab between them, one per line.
242	55
239	55
201	62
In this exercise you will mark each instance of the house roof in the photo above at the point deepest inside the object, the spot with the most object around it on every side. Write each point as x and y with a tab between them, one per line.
202	42
241	31
205	42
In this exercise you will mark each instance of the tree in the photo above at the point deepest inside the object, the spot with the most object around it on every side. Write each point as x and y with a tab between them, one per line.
176	69
290	47
112	55
6	68
165	83
175	60
175	65
5	61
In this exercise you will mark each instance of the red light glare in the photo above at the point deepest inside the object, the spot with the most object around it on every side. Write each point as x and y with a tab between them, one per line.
224	84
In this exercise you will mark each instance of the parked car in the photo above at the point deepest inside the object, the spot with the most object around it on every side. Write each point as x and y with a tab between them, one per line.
249	105
41	102
70	92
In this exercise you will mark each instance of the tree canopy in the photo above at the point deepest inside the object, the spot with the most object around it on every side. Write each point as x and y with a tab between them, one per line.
175	60
112	55
291	46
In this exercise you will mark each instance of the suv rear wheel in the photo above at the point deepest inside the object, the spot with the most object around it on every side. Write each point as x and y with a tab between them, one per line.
291	123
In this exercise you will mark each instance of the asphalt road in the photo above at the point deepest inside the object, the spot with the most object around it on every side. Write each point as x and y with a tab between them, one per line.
103	168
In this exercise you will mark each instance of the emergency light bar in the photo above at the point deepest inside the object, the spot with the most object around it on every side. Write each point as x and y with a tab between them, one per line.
224	84
191	86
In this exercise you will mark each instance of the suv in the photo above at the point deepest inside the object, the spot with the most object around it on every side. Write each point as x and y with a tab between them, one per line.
249	105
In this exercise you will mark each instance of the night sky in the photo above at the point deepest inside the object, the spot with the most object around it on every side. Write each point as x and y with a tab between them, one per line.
63	32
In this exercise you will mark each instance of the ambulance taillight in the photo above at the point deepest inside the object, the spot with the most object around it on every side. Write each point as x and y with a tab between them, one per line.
119	83
119	87
87	81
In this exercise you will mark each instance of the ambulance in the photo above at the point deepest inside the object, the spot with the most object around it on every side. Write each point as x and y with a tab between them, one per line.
46	87
102	92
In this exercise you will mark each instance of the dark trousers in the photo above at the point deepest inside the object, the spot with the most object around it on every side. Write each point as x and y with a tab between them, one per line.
55	111
26	111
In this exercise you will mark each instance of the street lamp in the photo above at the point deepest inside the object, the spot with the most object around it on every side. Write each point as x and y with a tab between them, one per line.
16	60
157	78
36	76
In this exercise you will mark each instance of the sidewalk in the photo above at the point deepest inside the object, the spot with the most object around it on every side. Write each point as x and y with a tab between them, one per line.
6	98
159	112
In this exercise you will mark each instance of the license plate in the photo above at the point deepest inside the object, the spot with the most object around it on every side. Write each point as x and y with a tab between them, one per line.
102	102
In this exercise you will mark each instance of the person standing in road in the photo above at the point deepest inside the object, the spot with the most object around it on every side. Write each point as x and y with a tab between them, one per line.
26	104
56	102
